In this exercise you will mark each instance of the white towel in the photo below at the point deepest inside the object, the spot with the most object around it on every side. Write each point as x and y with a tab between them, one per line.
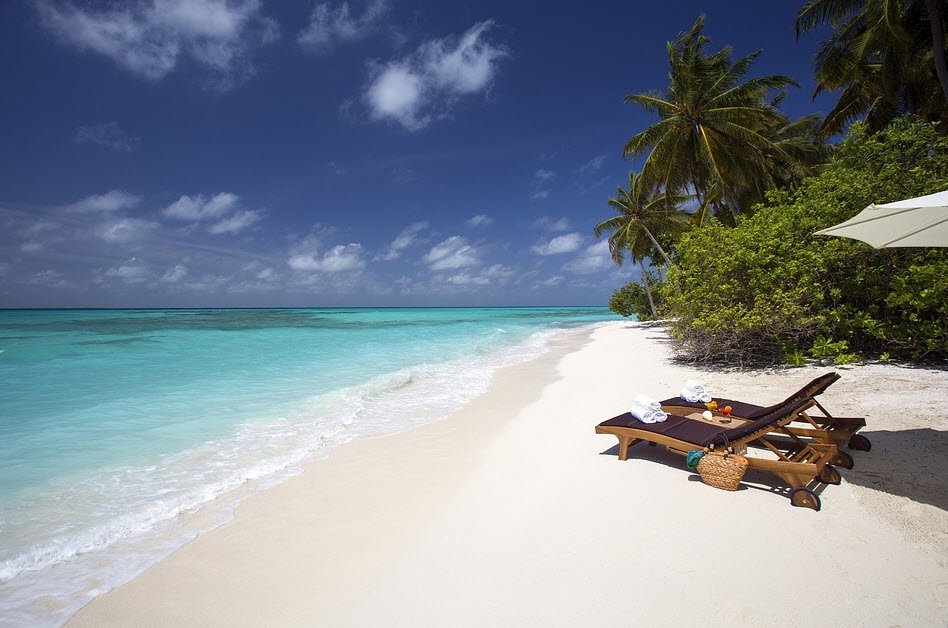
695	386
691	396
647	402
696	392
647	416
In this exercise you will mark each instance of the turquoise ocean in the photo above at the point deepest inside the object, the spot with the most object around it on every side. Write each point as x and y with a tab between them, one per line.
125	433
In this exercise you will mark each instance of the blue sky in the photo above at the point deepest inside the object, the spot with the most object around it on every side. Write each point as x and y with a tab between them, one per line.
173	153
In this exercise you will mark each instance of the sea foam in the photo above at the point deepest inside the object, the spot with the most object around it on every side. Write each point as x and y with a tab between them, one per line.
82	531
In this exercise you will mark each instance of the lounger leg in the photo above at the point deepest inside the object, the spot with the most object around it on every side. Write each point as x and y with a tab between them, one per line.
624	443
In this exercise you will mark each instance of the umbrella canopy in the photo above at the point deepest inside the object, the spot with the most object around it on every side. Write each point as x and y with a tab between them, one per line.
921	221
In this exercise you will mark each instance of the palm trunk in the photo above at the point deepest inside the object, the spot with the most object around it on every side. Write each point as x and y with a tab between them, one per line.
938	43
648	290
657	245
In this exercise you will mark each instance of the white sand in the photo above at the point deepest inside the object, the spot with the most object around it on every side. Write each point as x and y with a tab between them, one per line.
513	512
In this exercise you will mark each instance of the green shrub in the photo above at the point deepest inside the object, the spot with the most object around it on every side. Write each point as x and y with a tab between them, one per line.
770	291
631	299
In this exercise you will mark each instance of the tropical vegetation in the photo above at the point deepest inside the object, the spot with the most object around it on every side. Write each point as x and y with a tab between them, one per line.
719	136
771	291
642	214
886	58
730	192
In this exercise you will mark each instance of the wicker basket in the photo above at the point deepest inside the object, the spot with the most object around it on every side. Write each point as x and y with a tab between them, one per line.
722	470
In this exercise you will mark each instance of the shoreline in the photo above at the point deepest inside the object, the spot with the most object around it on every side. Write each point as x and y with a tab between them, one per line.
513	511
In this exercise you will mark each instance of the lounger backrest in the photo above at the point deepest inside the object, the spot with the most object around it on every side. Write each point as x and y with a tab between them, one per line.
818	386
781	414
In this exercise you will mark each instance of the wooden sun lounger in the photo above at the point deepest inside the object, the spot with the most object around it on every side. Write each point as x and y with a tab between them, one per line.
823	429
797	466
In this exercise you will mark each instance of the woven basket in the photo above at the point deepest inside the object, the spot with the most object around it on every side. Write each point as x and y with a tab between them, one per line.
722	470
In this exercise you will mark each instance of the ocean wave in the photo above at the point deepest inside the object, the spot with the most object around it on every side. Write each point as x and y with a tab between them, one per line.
124	519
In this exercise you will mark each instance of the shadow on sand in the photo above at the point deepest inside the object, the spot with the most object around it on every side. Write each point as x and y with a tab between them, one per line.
908	463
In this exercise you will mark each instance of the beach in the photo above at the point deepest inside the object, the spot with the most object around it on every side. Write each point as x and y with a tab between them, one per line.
512	511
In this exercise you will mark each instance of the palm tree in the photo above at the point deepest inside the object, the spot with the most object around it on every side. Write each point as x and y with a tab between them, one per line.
642	216
885	57
712	139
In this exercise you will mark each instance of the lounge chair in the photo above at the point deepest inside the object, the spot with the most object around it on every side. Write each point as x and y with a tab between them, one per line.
823	429
797	467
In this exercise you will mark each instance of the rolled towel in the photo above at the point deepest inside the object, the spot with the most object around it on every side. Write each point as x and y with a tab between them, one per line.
647	416
647	402
688	395
696	392
695	386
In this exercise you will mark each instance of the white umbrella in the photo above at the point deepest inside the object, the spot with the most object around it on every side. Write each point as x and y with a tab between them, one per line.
921	221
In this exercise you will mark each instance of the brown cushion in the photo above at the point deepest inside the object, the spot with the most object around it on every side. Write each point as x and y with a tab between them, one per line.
682	428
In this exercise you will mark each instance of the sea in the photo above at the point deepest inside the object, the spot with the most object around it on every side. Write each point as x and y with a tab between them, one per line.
126	433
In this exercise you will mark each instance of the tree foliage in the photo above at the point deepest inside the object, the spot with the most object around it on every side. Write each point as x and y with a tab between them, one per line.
770	291
720	135
632	299
885	58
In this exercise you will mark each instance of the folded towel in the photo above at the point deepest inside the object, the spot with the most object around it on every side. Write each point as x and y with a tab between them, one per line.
688	395
693	397
648	416
647	402
694	386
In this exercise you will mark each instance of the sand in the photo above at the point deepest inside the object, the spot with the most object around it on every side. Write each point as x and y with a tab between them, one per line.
513	512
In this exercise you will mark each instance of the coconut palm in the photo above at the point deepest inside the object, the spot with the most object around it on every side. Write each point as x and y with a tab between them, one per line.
712	139
886	58
643	218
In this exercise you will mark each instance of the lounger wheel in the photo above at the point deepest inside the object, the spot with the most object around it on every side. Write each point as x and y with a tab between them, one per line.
830	475
844	460
805	498
859	443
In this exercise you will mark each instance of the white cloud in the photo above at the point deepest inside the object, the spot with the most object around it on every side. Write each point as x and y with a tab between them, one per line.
131	272
481	220
196	208
337	259
124	230
266	274
415	89
174	275
593	165
545	175
111	201
336	168
48	278
466	68
593	259
107	134
4	268
551	282
237	222
498	273
450	254
31	247
560	244
396	93
150	37
540	195
550	224
329	26
407	237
